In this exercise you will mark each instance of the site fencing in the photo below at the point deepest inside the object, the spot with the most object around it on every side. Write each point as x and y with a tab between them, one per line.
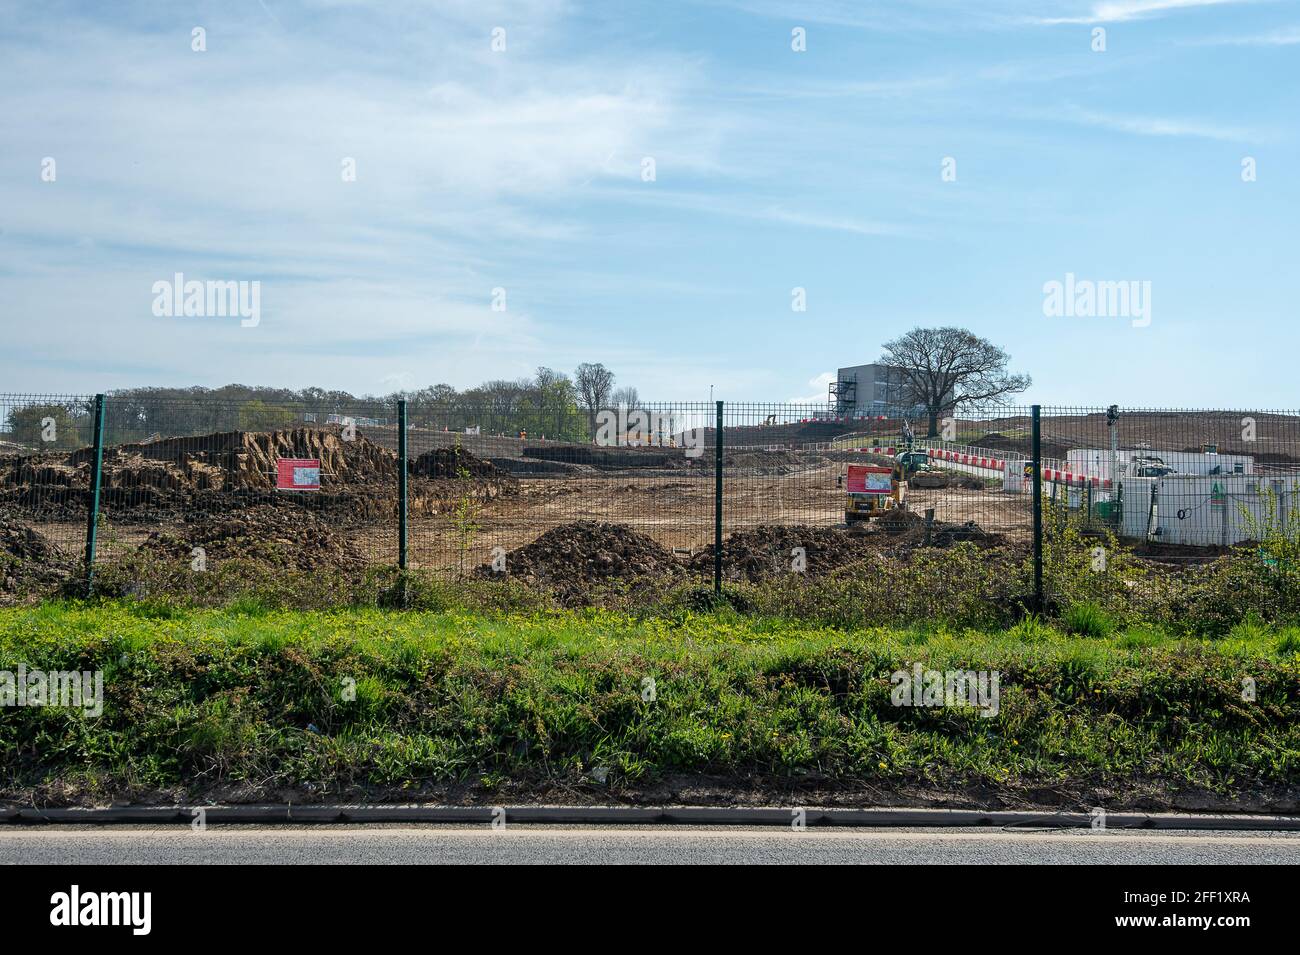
687	490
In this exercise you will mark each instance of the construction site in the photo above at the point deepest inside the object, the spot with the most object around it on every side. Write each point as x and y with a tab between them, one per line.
796	493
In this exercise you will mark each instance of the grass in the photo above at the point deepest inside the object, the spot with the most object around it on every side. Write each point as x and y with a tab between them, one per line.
250	702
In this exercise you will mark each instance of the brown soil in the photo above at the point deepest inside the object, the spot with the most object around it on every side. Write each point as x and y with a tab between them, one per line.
1277	436
570	558
909	532
765	552
276	536
995	441
451	463
29	561
158	480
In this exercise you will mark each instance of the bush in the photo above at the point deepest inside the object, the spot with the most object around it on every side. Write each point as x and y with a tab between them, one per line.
1086	619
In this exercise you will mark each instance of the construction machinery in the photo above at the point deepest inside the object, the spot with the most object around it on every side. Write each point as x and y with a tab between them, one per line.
872	490
1149	465
911	462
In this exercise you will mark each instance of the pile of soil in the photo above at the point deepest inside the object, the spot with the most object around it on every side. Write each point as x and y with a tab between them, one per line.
899	521
276	536
614	458
945	535
765	552
453	463
767	461
152	481
228	460
570	558
29	561
909	533
997	441
923	480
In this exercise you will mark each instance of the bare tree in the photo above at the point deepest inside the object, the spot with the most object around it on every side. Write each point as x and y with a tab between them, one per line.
944	368
593	383
625	397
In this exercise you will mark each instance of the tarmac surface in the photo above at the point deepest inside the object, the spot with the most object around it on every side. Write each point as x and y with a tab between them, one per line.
622	844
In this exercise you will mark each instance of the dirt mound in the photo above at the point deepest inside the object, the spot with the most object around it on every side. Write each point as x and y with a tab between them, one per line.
997	441
923	480
945	535
909	532
898	520
226	460
614	458
571	557
277	536
29	561
769	551
453	463
767	461
151	481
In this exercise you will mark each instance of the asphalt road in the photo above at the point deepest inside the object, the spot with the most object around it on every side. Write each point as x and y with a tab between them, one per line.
524	844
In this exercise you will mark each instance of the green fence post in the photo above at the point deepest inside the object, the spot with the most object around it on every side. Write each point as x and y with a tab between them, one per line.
96	481
1038	511
717	503
401	485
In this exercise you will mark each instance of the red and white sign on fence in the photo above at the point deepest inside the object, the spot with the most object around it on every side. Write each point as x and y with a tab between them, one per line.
297	474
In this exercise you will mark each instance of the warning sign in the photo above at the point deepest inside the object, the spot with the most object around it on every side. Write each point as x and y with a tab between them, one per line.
865	479
1217	496
297	474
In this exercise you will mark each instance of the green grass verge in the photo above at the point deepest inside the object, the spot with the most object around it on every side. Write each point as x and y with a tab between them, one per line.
249	703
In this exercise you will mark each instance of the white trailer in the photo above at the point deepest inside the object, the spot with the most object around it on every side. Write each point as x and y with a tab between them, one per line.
1095	462
1216	510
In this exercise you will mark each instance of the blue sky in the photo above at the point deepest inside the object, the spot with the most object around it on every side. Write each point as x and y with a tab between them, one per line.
774	169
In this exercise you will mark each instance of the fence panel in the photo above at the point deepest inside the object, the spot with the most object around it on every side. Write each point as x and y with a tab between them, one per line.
796	479
44	486
507	477
532	492
201	482
1181	486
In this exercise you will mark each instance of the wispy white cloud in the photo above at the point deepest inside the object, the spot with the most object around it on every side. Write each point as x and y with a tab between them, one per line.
834	223
227	165
758	209
819	385
1162	126
1283	36
1118	11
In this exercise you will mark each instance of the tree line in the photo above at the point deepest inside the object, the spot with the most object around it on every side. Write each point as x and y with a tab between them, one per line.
549	402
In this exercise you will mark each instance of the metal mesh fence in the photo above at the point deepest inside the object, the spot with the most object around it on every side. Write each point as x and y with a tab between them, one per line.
507	478
504	488
1178	486
190	480
43	468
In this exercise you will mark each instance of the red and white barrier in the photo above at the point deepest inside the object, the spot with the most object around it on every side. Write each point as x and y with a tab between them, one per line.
967	460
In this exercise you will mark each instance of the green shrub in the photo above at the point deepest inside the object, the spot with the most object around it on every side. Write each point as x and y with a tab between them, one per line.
1087	619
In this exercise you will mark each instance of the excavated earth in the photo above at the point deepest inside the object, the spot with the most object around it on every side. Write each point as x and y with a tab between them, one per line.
770	551
29	561
570	558
281	537
233	470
